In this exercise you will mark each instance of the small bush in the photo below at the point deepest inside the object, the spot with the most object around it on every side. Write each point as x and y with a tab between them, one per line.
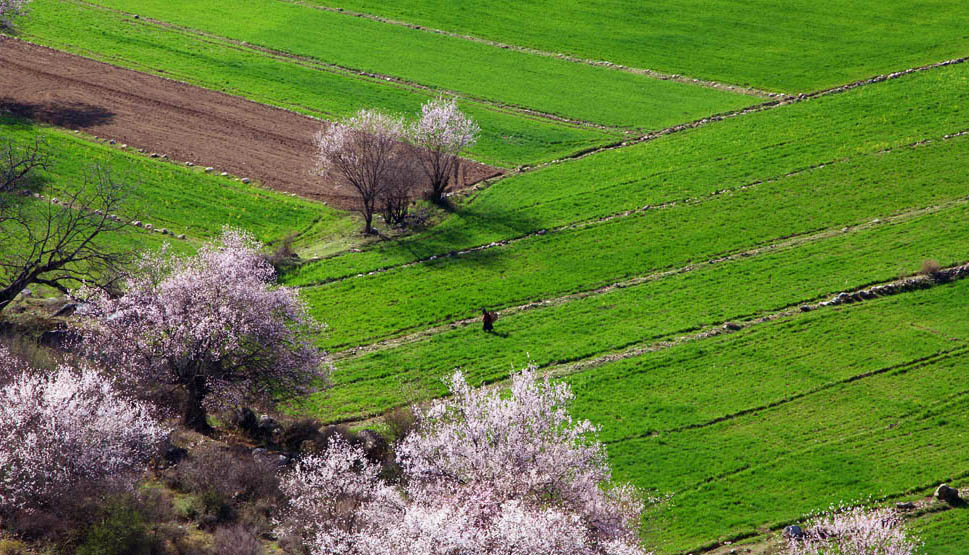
12	547
930	267
122	531
236	540
302	430
400	422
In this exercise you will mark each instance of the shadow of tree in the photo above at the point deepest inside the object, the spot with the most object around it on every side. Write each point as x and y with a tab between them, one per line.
75	115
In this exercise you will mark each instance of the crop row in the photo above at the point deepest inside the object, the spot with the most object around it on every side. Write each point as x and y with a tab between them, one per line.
507	139
183	200
694	163
713	294
549	85
792	46
551	265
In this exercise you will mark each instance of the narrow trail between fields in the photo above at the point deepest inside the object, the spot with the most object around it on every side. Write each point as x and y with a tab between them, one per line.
618	215
381	79
706	83
169	118
779	244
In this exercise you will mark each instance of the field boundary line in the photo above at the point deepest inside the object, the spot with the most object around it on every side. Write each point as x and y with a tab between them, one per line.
658	75
582	224
382	79
865	293
778	244
900	368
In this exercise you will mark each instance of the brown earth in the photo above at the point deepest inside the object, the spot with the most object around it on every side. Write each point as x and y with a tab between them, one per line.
158	115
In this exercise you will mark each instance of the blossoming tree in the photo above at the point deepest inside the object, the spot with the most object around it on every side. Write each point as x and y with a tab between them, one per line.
483	473
361	150
213	325
10	9
441	133
64	428
854	531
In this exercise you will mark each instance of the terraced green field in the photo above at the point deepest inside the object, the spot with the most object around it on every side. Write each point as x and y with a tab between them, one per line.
727	155
765	44
620	270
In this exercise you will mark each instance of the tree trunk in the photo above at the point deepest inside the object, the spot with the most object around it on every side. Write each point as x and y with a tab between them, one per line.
9	293
195	416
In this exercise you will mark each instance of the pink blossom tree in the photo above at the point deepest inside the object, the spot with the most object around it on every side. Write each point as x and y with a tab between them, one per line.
854	531
441	133
360	151
212	325
483	473
10	9
63	429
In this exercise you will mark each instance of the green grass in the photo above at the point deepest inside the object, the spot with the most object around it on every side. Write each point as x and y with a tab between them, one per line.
577	260
506	140
183	200
791	46
835	381
944	533
550	85
371	383
727	154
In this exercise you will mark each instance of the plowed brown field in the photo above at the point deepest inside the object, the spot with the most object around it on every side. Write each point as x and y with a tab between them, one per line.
188	123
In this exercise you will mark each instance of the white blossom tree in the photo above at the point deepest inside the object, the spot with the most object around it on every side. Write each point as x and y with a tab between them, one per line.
854	531
63	429
483	473
441	133
360	151
212	325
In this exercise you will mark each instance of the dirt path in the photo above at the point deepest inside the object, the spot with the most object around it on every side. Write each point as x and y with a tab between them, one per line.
158	115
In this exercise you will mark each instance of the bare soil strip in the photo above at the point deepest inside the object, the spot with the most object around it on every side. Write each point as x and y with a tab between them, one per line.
349	72
780	244
163	116
618	215
547	54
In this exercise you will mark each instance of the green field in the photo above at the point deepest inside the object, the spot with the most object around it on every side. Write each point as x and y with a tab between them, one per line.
618	271
508	139
183	200
733	153
762	43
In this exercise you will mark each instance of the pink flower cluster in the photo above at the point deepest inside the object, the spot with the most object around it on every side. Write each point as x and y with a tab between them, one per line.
212	323
485	473
64	428
444	128
855	531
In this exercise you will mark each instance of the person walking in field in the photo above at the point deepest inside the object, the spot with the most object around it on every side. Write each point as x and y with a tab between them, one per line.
488	319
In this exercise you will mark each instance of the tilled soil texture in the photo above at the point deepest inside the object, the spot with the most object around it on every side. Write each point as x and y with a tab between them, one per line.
187	123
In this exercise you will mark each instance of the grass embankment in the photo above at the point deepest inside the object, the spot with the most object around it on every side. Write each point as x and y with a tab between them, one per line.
694	163
712	294
507	139
763	43
944	533
549	85
552	265
184	200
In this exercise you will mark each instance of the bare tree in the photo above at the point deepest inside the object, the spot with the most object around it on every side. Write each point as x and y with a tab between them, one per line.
441	133
360	151
402	183
18	162
51	241
9	10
